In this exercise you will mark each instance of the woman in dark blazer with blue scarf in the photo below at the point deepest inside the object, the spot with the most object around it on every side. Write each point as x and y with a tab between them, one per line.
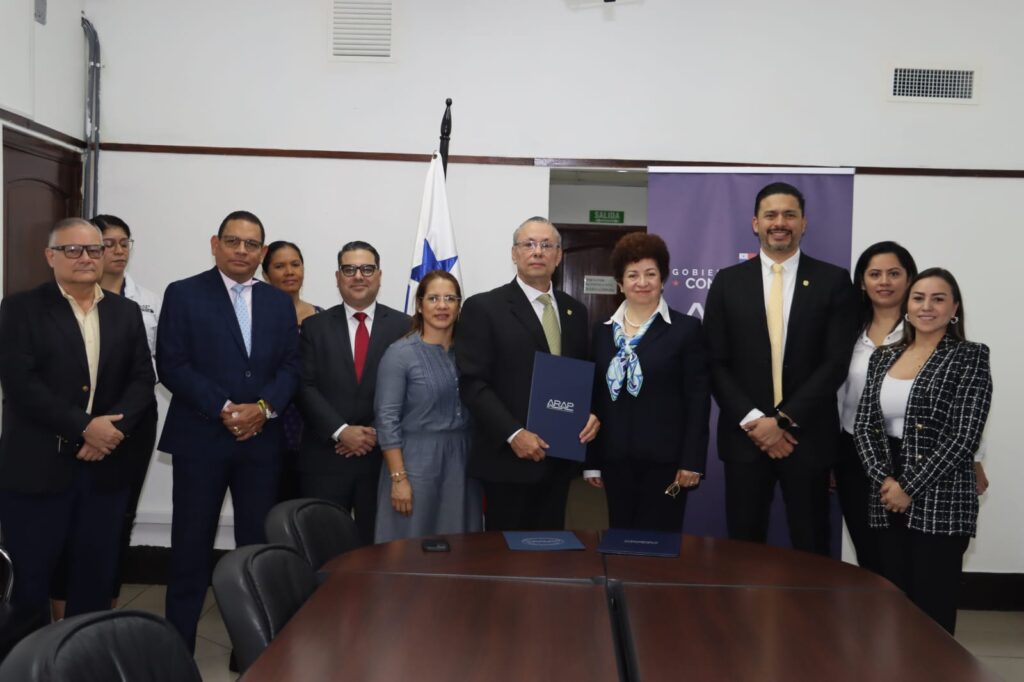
651	394
919	423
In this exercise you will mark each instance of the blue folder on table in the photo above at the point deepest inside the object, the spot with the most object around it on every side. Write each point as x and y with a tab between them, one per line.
560	403
640	542
542	541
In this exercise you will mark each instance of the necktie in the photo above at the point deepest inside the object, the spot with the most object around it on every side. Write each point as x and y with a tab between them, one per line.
242	313
550	323
775	330
362	344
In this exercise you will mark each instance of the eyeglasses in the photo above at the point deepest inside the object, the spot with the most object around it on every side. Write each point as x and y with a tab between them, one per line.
75	251
434	299
350	270
531	245
673	490
232	242
124	242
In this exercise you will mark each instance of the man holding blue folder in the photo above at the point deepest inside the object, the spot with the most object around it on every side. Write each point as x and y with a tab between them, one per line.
498	335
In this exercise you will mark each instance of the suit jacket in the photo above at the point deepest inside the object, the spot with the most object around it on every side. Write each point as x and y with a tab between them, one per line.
668	420
329	395
201	359
45	378
495	342
942	427
819	341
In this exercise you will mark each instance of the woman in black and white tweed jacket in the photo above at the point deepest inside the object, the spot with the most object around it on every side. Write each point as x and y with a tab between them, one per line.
918	425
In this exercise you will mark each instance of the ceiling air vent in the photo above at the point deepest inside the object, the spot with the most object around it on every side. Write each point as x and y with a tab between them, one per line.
361	29
933	85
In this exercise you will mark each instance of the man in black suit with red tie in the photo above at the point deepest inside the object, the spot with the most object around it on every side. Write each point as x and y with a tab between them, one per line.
498	334
77	380
341	348
779	330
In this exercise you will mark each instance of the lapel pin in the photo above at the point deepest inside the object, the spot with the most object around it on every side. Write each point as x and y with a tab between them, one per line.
568	311
807	283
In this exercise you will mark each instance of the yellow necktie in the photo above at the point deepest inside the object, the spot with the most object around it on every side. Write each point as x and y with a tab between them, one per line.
550	323
775	330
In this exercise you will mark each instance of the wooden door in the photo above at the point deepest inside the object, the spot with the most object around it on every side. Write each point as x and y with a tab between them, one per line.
586	251
42	184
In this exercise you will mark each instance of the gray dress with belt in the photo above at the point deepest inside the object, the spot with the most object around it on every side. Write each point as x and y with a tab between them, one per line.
418	409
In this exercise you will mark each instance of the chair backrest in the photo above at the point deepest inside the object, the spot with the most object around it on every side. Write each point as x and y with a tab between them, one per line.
112	646
258	589
319	530
6	571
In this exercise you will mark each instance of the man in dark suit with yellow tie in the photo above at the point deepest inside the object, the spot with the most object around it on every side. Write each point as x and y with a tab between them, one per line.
779	330
77	380
499	333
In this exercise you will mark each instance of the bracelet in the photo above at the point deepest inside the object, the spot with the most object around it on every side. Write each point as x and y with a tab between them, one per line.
262	404
399	476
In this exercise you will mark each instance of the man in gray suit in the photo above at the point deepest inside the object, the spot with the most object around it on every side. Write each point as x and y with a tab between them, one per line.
341	348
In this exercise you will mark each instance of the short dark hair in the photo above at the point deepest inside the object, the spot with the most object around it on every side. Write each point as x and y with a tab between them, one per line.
878	248
247	217
636	246
274	247
359	246
66	223
106	222
778	188
956	329
421	291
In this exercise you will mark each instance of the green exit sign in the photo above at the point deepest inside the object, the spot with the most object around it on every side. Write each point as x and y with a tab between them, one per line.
613	217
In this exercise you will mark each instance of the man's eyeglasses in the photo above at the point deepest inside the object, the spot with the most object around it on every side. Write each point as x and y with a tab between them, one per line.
434	299
232	242
75	251
530	245
350	270
125	243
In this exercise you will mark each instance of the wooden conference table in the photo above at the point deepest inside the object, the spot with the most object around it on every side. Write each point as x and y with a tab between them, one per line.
723	610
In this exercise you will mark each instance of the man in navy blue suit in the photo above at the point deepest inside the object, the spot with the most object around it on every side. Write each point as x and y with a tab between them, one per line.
228	350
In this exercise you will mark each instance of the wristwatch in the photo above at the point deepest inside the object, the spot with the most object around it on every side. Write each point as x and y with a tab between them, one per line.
784	422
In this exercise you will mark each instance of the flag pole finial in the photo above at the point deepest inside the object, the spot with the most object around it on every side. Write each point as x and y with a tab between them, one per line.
446	133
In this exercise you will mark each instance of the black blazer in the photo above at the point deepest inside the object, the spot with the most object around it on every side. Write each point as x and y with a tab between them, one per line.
819	340
45	379
668	420
942	427
328	393
495	342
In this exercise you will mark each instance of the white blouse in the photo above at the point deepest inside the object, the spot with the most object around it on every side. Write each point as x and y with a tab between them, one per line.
893	400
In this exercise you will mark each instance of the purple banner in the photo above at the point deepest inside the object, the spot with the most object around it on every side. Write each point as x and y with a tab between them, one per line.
705	218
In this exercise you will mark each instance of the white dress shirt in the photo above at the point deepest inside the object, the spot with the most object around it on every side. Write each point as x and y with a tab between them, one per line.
353	326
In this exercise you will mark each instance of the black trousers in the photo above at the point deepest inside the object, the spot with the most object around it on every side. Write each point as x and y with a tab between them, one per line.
356	492
635	490
750	486
525	506
855	490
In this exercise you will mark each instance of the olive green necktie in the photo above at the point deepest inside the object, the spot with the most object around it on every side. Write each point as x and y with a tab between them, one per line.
550	323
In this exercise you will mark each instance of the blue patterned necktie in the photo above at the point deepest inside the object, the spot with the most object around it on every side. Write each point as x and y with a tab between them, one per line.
625	365
242	313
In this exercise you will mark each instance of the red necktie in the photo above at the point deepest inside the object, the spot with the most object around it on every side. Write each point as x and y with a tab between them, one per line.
362	344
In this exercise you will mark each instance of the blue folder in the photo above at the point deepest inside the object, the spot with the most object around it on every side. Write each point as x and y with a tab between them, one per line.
542	541
640	542
560	403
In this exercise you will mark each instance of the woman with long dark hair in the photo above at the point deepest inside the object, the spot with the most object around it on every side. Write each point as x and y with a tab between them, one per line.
920	420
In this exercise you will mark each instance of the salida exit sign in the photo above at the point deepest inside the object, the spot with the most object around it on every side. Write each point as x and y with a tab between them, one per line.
613	217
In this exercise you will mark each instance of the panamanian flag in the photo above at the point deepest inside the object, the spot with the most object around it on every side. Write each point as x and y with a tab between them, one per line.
434	248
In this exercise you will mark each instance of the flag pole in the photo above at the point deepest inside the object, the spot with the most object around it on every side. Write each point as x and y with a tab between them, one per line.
446	134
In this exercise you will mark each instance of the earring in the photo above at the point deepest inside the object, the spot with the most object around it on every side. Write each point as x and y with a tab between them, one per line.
906	317
954	320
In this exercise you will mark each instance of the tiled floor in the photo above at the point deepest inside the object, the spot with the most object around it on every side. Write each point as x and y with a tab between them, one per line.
995	637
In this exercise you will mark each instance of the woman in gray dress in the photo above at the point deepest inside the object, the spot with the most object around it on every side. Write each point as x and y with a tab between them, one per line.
422	425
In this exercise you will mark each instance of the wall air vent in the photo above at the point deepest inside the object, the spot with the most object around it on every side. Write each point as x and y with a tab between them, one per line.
361	29
933	85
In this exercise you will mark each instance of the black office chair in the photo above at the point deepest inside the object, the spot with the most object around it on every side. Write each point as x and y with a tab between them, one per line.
15	623
112	646
319	530
258	589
